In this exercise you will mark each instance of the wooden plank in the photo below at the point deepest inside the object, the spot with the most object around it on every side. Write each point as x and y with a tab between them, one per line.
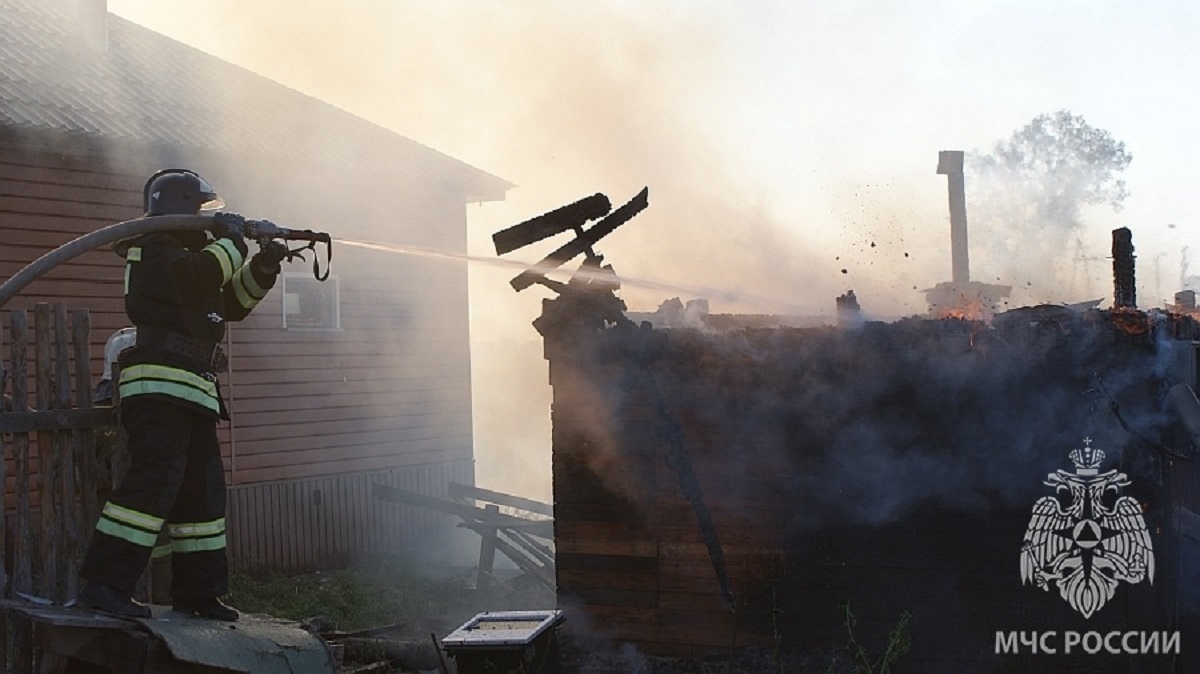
96	263
76	194
396	444
4	412
367	369
399	428
456	490
487	550
606	562
346	405
617	580
489	515
37	168
85	460
47	540
577	529
295	527
133	165
109	213
255	413
57	420
65	458
23	574
431	388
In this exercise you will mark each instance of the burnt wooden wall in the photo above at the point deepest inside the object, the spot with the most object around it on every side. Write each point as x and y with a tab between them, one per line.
389	391
892	469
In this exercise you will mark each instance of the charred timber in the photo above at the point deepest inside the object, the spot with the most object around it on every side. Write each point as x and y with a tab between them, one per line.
1124	283
583	242
571	216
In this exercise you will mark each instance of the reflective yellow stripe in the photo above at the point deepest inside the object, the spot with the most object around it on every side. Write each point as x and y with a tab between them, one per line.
198	544
135	536
197	529
228	256
160	551
246	288
132	255
174	390
128	516
149	378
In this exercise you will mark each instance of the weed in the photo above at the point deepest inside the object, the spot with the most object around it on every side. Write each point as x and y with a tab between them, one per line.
899	640
384	590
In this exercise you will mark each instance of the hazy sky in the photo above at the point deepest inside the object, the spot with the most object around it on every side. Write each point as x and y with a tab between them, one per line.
779	140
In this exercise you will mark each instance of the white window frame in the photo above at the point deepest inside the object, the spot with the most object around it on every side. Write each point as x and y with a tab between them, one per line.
300	278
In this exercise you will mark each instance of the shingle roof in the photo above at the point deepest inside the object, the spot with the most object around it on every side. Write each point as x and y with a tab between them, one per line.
149	88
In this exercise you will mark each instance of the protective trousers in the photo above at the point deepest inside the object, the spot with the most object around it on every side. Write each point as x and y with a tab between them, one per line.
175	478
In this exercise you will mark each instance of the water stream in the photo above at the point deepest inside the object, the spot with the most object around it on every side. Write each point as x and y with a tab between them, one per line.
686	291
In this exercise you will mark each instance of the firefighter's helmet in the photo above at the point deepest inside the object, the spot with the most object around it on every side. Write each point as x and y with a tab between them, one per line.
179	192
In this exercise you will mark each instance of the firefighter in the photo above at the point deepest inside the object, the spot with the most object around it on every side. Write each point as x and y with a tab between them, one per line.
180	288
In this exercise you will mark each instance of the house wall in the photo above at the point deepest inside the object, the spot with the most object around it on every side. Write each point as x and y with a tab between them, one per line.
50	198
333	521
893	469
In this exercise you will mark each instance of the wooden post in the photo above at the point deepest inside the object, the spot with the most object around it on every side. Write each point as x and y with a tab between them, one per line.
23	543
22	562
487	551
4	501
81	329
47	475
3	515
65	449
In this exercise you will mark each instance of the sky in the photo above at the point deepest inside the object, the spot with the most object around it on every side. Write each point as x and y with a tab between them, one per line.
789	147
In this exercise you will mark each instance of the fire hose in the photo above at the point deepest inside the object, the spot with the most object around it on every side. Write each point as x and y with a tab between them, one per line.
259	230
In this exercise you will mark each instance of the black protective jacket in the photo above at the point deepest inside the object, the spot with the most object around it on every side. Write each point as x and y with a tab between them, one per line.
180	288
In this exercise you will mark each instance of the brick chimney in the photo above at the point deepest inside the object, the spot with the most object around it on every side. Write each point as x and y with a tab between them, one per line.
93	24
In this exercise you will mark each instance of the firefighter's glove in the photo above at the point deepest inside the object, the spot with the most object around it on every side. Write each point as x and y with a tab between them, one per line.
229	226
268	257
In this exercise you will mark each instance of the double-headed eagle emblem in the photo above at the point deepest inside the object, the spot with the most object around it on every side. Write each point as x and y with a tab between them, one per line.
1093	542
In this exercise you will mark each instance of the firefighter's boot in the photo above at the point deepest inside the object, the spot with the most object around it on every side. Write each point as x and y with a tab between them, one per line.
206	607
107	600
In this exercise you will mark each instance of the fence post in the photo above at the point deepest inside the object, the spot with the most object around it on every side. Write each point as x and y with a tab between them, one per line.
65	442
47	475
23	543
81	328
3	512
3	492
23	539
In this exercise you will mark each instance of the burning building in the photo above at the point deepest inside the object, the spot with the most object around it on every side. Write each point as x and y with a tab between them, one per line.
718	492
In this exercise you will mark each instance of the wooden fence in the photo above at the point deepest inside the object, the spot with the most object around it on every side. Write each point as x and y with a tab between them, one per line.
53	501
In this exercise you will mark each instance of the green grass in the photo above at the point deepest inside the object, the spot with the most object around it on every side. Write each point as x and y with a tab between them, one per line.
379	591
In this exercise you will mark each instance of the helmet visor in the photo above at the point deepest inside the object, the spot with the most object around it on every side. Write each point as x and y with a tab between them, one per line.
211	200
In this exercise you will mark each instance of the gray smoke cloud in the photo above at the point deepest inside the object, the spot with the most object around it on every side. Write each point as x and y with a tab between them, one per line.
569	99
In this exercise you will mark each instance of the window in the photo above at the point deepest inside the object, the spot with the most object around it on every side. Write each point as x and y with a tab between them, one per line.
309	304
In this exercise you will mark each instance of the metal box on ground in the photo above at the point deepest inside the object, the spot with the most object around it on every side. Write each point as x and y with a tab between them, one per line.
506	641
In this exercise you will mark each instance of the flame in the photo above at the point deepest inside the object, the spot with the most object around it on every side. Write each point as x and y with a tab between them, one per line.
1131	321
966	308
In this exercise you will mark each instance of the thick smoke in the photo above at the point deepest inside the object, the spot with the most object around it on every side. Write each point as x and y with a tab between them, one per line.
773	172
866	426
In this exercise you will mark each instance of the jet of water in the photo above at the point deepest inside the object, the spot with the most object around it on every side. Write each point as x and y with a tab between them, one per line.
725	295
